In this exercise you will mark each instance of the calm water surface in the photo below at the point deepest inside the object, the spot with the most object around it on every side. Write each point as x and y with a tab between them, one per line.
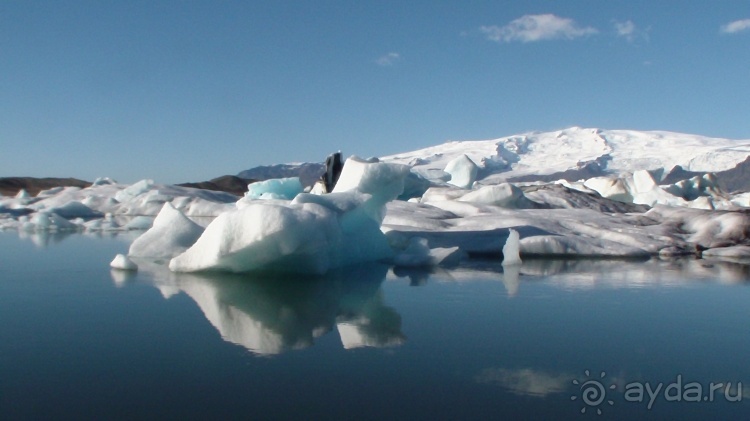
547	340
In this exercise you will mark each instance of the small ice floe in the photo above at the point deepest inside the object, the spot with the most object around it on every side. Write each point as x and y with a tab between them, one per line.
511	249
122	262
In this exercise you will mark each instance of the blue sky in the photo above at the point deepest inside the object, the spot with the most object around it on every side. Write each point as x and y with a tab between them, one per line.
189	90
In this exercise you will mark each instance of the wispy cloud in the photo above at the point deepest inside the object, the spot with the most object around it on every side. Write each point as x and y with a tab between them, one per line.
532	28
387	59
736	26
630	31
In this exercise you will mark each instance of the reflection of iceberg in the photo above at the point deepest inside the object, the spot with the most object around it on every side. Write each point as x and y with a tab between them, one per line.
269	316
374	325
576	274
122	277
617	273
525	381
43	239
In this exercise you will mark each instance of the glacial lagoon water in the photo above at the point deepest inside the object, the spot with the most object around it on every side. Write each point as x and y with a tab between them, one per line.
546	340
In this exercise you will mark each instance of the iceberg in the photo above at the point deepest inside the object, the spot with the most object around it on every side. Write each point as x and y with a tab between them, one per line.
277	188
463	172
171	234
123	262
311	234
511	255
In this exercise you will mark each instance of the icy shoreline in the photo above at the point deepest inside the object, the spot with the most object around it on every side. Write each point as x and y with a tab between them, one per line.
460	209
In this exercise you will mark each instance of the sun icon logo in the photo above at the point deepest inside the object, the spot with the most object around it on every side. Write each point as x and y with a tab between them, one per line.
593	392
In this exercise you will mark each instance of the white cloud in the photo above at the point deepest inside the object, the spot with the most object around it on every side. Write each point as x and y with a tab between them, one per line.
531	28
625	29
630	31
736	26
387	59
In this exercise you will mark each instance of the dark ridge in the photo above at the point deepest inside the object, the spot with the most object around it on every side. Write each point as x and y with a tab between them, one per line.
561	197
736	179
733	180
10	186
226	183
678	174
576	174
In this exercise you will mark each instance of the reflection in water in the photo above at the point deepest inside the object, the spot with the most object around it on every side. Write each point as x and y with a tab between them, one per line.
42	238
594	273
525	381
511	280
271	314
122	277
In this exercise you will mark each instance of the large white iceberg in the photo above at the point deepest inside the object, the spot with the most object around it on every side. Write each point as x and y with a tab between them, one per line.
310	234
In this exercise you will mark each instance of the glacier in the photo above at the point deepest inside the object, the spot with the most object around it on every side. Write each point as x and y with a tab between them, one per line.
573	192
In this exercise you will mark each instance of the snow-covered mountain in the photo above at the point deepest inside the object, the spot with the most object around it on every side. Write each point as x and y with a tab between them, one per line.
571	154
578	153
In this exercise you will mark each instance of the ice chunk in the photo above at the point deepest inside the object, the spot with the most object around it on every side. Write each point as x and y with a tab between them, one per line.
463	172
134	190
318	188
704	186
643	182
107	223
74	209
511	255
53	191
418	253
504	195
553	245
299	237
45	220
277	188
384	181
312	234
442	194
260	235
742	200
706	228
638	188
139	223
103	181
171	234
611	188
123	262
23	194
415	185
